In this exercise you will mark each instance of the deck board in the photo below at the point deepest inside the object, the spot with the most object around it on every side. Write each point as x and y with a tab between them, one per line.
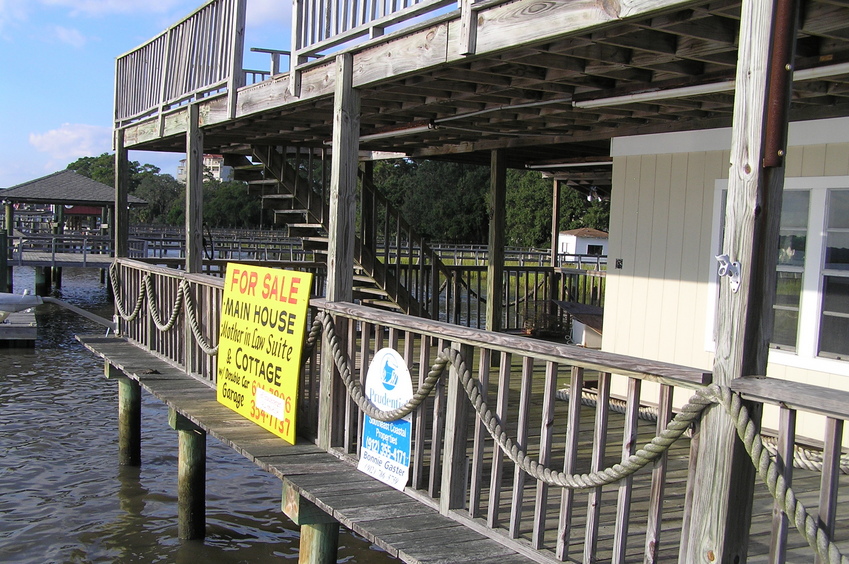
387	517
392	519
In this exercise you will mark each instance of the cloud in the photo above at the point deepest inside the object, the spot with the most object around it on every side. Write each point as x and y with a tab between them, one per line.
72	141
269	13
71	36
11	13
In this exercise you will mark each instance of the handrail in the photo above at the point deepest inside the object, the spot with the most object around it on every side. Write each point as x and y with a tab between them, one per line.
196	57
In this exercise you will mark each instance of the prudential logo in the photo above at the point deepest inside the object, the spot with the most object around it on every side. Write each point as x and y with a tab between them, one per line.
390	377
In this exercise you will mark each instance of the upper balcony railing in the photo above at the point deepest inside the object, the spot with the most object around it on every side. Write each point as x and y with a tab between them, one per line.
201	56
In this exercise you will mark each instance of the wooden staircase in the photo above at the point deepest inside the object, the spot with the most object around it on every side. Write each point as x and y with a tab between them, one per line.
394	268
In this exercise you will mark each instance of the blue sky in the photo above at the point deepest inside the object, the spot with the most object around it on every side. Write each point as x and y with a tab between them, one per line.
57	61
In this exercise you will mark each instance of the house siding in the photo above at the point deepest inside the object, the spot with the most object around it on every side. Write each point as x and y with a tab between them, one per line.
661	227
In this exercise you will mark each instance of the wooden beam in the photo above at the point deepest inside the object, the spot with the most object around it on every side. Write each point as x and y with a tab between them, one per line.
194	192
120	220
340	232
129	417
722	504
191	477
497	221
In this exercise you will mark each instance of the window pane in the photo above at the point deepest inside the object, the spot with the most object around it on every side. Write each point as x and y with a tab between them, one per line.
787	292
838	209
837	251
794	209
834	329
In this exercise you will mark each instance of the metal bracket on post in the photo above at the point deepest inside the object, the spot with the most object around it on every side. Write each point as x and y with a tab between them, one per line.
730	269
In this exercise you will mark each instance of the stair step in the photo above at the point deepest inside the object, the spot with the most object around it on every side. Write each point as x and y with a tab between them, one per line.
314	244
248	175
305	230
289	216
264	181
368	293
382	304
278	197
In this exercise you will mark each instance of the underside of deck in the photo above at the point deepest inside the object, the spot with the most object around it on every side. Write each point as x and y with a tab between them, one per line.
549	82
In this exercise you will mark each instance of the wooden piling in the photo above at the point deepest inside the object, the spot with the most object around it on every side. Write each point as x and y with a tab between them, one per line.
319	531
4	272
191	477
129	417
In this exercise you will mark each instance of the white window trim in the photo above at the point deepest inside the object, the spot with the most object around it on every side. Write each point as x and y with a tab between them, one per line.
805	356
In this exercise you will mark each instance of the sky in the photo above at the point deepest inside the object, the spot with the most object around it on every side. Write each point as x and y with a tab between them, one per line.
57	63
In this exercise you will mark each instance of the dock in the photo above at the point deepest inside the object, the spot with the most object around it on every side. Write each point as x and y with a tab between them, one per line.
314	481
19	330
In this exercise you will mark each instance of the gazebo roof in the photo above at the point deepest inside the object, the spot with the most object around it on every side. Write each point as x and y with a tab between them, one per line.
65	187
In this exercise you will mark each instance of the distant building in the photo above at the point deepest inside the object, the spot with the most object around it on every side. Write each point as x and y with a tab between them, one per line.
213	165
583	241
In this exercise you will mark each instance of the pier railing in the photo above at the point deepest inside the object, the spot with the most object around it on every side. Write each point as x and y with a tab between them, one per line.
531	442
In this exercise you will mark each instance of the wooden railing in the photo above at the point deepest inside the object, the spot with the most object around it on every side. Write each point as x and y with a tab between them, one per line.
199	56
319	25
544	396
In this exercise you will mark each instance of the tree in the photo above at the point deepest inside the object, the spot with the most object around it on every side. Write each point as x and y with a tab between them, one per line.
102	169
160	191
230	204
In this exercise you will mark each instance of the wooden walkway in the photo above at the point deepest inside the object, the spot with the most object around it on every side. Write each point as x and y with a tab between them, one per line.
406	526
62	260
398	523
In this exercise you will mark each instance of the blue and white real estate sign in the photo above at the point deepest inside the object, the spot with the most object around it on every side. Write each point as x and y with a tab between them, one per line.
385	451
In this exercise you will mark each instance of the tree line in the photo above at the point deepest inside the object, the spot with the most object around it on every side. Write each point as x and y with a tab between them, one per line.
445	202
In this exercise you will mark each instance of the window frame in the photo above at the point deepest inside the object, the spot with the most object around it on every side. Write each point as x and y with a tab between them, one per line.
806	354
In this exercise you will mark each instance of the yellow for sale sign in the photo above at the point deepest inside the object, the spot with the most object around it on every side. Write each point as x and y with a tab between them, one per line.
263	320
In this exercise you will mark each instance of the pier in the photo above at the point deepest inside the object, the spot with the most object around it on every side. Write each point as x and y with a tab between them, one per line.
578	91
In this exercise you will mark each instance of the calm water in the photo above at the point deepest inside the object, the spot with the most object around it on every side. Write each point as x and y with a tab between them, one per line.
63	497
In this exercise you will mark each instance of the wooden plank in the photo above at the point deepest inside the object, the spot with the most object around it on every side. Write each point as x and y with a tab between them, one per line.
452	491
596	464
545	449
629	447
786	450
801	397
564	527
495	242
658	480
521	441
501	405
830	473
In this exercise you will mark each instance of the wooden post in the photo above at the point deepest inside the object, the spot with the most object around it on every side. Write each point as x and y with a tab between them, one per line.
319	531
237	48
120	221
194	192
4	253
720	513
129	417
10	232
553	285
191	477
453	487
58	231
9	212
340	254
497	220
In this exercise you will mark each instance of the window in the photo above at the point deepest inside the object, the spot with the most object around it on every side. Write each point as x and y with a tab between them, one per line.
791	265
812	287
834	322
596	250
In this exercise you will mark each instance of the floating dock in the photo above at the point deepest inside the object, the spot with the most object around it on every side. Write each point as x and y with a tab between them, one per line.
19	330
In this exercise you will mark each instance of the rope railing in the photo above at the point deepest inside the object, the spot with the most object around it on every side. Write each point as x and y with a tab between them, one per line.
703	398
147	297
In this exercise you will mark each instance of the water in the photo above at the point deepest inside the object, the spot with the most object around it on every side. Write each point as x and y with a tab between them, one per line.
63	496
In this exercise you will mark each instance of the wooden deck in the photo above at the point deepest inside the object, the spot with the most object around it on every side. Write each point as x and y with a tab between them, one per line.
19	330
399	524
406	525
